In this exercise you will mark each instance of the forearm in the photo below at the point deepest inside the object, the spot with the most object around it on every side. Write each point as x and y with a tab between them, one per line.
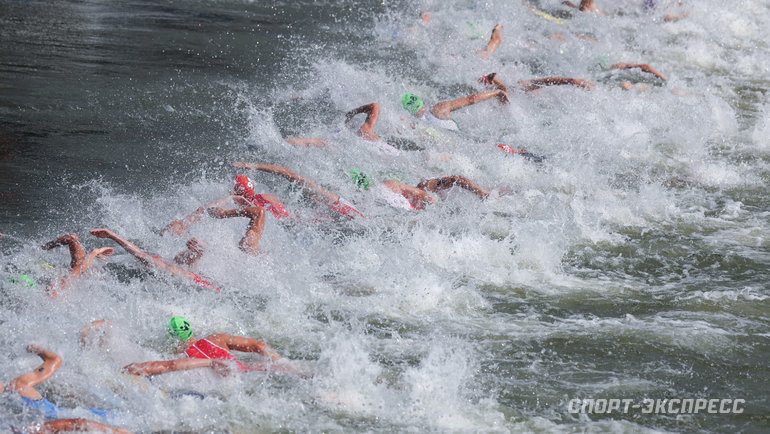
159	367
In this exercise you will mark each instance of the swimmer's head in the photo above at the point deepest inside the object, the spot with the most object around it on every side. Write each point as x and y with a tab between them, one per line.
180	328
243	185
361	180
412	103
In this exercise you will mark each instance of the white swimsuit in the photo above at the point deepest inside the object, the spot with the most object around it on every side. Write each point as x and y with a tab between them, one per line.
432	120
390	197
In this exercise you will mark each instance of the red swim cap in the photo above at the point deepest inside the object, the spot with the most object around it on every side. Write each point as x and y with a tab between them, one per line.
244	186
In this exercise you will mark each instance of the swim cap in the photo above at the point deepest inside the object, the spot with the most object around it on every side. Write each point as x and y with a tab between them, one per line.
180	328
243	185
360	178
412	103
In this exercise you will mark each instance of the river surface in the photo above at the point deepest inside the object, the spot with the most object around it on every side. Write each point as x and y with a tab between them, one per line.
632	263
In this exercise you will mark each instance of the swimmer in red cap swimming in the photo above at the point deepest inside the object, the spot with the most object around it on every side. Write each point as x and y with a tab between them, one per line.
319	193
154	262
80	262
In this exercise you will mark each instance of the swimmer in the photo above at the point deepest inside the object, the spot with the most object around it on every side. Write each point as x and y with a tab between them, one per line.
585	6
80	262
318	193
220	347
400	195
494	41
244	197
154	262
440	115
25	384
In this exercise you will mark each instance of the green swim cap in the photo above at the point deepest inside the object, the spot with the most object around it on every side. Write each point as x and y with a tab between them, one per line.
24	279
180	328
360	178
412	103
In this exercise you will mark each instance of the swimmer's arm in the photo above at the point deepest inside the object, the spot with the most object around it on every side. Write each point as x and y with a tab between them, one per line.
537	83
240	343
75	425
307	142
372	111
149	369
643	66
439	184
178	227
51	363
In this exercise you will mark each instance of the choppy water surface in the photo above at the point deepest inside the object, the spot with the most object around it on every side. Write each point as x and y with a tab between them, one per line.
632	263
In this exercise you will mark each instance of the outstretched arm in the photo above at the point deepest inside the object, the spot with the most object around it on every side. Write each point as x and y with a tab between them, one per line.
122	242
55	288
311	186
537	83
25	384
240	343
444	109
75	425
179	227
447	182
77	252
149	369
643	66
372	115
256	214
494	42
307	142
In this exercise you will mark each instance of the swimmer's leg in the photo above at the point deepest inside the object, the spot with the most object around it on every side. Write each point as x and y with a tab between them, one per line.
77	252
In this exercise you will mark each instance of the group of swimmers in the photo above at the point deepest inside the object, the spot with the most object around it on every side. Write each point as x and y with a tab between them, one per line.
215	351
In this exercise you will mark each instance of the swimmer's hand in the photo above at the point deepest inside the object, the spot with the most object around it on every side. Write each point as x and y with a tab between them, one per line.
35	349
177	227
101	253
222	368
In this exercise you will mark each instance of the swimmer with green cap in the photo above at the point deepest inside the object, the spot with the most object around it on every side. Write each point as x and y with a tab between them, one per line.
440	115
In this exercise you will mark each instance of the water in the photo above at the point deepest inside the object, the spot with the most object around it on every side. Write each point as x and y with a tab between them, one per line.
632	264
